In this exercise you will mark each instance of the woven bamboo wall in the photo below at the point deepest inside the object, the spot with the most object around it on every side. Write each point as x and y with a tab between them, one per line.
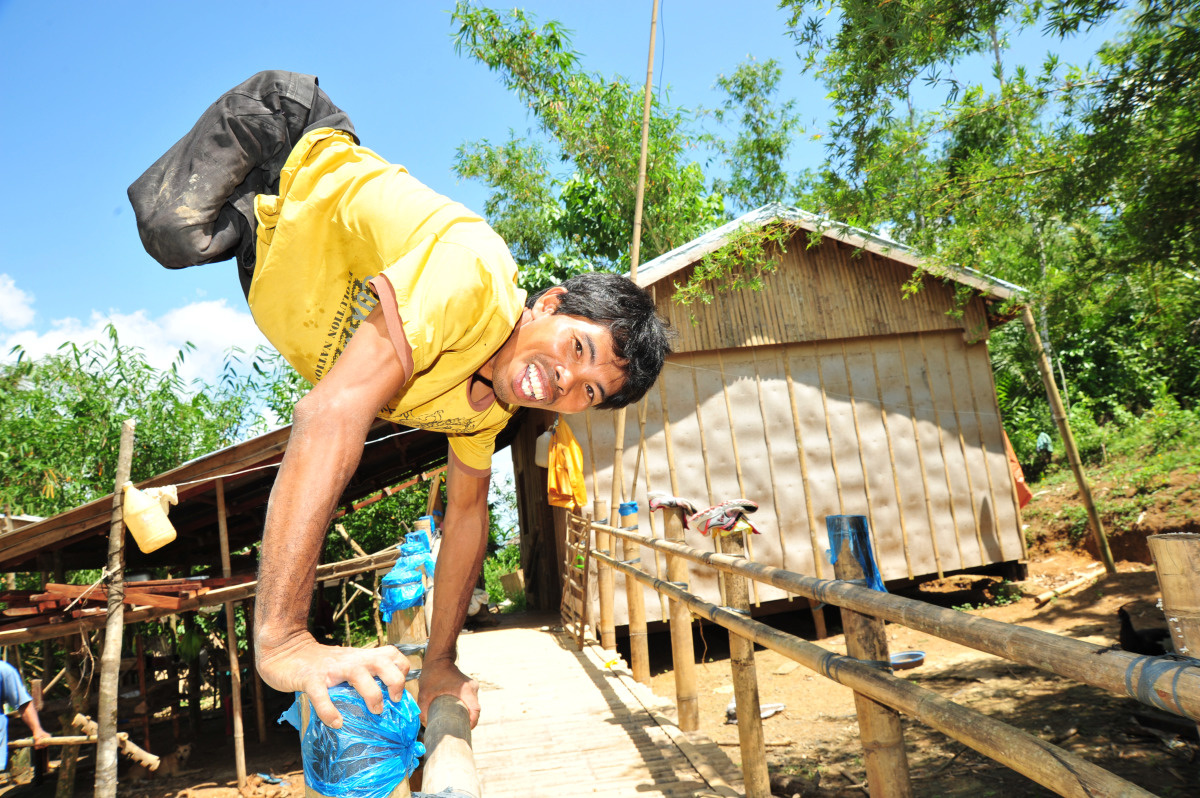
902	428
828	292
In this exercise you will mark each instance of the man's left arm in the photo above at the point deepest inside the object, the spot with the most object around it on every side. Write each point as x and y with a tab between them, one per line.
29	714
464	544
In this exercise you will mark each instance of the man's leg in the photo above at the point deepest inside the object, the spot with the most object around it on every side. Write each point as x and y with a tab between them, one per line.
196	203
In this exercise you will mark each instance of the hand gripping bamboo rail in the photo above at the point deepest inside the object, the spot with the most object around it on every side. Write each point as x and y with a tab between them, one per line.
1169	684
449	762
1047	764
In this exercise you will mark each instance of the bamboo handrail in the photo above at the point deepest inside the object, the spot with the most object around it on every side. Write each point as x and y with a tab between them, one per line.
1047	764
449	761
1172	685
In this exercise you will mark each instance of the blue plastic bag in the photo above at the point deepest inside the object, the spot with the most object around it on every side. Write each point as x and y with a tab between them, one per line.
369	755
403	587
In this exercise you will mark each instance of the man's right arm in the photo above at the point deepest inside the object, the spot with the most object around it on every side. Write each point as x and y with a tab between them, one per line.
330	426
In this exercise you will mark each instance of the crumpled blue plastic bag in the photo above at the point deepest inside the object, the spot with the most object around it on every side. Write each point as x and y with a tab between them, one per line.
403	587
369	755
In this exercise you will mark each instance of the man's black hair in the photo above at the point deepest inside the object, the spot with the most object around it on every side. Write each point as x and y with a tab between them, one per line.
640	336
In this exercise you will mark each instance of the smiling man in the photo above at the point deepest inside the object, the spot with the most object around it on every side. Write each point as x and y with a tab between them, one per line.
394	302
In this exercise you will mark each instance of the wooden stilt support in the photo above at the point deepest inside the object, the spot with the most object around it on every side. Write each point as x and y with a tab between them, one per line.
1177	561
683	654
145	696
879	727
235	671
635	601
745	684
604	574
110	657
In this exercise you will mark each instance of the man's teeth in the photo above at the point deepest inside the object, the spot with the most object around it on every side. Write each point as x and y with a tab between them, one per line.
532	384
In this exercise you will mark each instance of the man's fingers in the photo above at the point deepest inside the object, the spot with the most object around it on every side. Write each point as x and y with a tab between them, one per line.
318	702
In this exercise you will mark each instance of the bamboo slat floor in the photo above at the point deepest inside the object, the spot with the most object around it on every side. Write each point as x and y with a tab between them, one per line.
561	722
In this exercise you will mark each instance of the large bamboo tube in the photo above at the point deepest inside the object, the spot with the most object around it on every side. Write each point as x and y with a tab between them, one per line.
635	601
110	657
683	654
1048	765
235	671
745	685
1166	684
607	584
878	725
1064	430
449	762
1177	561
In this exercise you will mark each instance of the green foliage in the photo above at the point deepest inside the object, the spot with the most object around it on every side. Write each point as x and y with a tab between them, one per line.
739	264
582	219
503	561
61	416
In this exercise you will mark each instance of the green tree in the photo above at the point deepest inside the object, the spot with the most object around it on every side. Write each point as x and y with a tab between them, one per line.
60	420
581	218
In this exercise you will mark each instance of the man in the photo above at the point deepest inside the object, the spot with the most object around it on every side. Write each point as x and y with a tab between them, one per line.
14	694
394	302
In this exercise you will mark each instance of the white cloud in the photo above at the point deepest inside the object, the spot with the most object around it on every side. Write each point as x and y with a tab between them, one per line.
16	306
211	326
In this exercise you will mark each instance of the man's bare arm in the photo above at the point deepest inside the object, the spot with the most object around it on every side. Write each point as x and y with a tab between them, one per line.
461	556
329	429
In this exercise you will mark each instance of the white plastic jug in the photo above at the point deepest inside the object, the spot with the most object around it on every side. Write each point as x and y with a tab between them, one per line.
146	519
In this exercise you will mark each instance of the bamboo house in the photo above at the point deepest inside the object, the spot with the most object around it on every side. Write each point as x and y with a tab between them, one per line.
832	390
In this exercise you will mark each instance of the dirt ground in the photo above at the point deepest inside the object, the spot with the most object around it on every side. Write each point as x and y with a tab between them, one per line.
813	742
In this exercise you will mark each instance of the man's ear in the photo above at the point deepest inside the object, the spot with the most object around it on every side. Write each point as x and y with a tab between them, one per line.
549	301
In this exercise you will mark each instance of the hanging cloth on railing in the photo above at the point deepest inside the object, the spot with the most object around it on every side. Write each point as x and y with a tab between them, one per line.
564	471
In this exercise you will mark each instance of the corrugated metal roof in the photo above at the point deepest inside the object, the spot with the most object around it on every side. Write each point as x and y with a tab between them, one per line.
670	262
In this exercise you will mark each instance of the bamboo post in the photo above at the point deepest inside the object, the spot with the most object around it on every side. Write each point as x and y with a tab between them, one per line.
879	727
408	626
1177	561
235	672
260	712
745	684
635	600
604	574
683	655
1064	430
110	657
450	762
72	653
141	670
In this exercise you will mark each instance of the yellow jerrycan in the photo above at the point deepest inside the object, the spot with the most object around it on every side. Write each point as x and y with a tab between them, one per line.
146	519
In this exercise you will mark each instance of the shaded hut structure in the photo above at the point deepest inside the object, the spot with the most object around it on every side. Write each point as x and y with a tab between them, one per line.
832	390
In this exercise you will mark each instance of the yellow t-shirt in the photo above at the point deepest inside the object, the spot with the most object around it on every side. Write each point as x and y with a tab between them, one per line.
348	230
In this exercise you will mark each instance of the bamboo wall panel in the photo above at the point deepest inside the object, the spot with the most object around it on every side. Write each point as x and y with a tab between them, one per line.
823	293
901	429
908	473
874	454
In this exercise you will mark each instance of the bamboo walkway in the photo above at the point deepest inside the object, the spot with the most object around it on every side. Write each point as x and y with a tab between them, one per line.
561	722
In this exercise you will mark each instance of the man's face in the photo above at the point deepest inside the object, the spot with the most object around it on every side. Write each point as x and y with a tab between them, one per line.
554	361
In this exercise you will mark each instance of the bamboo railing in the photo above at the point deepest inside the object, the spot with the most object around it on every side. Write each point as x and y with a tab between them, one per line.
1173	685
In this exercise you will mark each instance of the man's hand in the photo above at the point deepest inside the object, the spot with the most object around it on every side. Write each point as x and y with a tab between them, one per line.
41	738
303	664
444	678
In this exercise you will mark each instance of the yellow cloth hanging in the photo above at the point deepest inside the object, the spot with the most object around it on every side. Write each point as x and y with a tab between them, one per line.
564	479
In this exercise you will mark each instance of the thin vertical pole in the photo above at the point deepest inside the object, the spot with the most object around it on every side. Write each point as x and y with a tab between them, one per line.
1064	430
110	657
683	654
235	673
635	599
745	683
260	712
604	574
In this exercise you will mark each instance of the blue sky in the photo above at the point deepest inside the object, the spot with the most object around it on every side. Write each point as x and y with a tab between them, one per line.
97	91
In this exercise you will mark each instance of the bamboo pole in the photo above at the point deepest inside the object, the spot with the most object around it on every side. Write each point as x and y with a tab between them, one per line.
683	655
235	672
110	657
91	729
408	626
141	672
604	575
635	600
72	648
1177	561
1048	765
1170	685
450	762
1064	430
879	726
260	712
745	684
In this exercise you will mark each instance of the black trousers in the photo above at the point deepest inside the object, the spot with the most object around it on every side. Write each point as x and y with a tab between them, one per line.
196	203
